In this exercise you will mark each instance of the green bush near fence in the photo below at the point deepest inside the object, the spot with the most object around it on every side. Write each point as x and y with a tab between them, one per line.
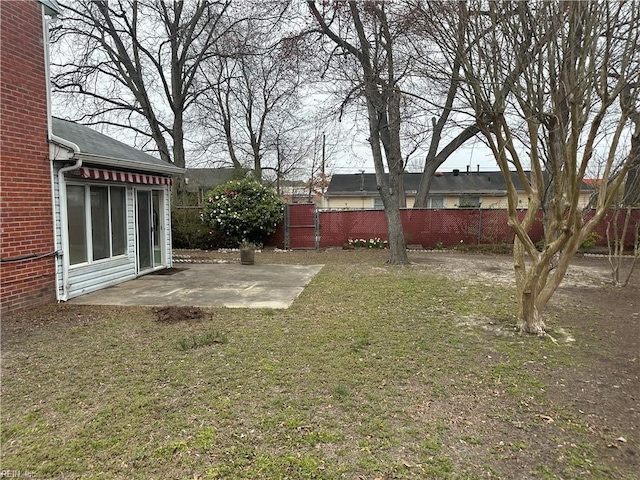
243	210
188	230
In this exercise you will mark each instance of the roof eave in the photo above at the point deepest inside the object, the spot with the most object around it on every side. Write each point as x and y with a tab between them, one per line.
359	193
132	164
51	7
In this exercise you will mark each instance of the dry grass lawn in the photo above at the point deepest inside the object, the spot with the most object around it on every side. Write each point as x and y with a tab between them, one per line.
375	372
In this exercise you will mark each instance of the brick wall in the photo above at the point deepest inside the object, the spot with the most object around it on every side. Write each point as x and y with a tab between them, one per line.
26	217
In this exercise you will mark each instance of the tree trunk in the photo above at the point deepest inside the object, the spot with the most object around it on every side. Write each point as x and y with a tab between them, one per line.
433	162
632	184
397	246
530	320
382	95
257	168
422	195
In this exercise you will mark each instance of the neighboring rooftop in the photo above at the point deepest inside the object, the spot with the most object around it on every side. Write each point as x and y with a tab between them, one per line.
455	182
207	178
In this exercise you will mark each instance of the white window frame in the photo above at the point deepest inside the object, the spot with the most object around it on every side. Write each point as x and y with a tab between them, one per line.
88	219
463	201
439	197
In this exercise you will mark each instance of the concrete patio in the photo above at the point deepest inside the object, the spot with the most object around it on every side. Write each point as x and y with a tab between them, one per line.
210	285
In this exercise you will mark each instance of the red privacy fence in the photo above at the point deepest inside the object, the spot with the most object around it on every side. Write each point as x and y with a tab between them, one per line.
307	227
421	227
301	226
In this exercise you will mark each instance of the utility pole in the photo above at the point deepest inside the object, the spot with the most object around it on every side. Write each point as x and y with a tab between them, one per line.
323	153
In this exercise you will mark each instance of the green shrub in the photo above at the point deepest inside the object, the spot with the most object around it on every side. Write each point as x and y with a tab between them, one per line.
591	241
243	210
188	230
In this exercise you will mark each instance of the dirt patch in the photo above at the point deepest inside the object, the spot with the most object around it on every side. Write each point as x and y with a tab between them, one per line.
178	314
605	394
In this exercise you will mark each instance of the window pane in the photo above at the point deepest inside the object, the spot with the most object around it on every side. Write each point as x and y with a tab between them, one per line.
100	222
118	221
469	201
76	222
377	203
436	202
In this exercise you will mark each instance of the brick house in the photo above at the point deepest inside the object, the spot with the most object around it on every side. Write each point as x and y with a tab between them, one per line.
80	210
27	246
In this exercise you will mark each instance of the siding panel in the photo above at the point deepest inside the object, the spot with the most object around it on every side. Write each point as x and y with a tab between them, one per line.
89	278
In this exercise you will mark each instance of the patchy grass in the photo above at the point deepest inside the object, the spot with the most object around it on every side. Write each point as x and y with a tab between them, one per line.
203	340
374	372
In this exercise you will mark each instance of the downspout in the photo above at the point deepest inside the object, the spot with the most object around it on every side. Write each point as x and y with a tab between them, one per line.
63	256
61	260
64	231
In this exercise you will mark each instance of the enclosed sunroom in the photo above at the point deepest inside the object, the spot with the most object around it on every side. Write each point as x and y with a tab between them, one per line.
112	210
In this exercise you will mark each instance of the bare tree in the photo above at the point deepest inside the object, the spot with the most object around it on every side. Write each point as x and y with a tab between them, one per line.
619	228
135	63
571	88
618	234
632	183
362	32
436	71
253	91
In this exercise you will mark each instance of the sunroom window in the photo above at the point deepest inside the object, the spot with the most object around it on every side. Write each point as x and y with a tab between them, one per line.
96	218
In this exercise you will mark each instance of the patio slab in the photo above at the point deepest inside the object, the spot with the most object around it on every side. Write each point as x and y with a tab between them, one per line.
210	285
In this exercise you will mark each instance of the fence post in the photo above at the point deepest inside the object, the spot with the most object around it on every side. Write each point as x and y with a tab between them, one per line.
480	225
317	229
286	228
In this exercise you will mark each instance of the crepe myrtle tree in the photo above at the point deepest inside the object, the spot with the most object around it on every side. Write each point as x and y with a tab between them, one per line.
575	95
243	210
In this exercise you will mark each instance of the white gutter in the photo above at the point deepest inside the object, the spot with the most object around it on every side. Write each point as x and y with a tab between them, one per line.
131	164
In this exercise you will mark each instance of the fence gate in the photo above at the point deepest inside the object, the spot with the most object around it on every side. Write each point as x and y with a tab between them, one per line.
301	226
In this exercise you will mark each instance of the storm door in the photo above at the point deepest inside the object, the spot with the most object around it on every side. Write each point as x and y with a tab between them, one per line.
150	229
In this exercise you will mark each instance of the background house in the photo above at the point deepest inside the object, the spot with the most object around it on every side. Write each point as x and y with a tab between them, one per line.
27	246
200	180
298	191
454	189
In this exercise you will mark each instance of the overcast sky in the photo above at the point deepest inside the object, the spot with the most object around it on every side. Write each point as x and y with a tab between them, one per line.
357	156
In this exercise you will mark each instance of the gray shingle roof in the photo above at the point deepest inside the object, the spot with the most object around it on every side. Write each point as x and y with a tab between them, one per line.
209	177
443	183
97	144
